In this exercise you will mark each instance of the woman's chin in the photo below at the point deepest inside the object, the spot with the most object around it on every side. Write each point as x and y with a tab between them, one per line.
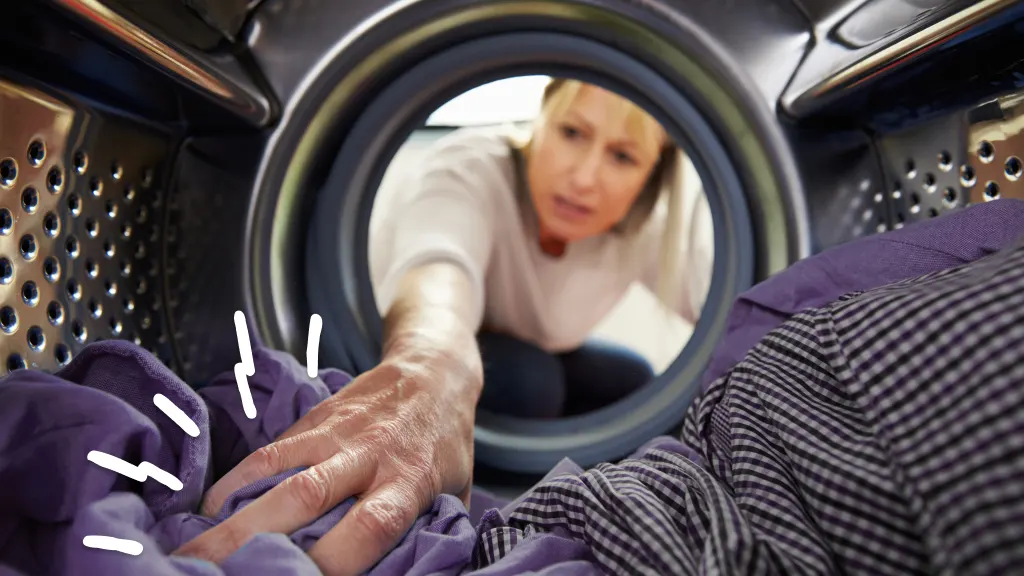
568	229
569	233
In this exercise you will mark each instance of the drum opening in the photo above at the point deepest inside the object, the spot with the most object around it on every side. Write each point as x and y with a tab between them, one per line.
337	276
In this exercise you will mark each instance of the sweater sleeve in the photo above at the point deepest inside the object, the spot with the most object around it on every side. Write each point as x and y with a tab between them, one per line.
445	212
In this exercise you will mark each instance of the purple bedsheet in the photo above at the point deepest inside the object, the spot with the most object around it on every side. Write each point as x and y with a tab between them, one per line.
870	262
53	497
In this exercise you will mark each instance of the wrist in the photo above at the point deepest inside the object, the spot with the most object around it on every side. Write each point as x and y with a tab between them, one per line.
440	344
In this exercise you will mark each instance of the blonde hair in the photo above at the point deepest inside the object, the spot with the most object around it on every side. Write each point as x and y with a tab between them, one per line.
665	180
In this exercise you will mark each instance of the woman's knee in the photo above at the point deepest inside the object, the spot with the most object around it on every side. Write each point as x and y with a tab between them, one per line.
520	379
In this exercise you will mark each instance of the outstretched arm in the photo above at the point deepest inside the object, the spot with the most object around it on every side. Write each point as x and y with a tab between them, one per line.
400	434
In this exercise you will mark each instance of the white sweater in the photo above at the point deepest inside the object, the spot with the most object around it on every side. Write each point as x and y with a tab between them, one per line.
460	205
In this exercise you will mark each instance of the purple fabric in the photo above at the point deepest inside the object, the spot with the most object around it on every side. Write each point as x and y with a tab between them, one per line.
53	497
863	264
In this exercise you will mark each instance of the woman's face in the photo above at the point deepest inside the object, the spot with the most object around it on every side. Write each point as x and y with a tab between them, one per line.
586	167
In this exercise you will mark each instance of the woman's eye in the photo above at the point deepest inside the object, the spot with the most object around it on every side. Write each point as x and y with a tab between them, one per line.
624	158
570	132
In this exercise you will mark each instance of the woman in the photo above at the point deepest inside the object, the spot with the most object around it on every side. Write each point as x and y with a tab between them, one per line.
540	262
551	230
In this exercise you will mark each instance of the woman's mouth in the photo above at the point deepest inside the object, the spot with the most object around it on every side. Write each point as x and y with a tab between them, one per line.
569	210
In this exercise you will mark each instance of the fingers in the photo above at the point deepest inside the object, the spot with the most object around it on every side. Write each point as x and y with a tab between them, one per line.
305	449
294	503
465	495
368	531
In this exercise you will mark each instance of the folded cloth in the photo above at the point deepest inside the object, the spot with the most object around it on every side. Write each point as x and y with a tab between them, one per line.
880	434
920	248
53	497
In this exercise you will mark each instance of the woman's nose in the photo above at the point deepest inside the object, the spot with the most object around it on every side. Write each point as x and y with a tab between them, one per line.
585	173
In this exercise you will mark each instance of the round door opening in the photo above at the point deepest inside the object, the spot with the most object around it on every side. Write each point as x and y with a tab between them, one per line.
603	251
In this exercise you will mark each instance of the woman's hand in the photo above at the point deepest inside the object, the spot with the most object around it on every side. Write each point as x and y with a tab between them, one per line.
398	436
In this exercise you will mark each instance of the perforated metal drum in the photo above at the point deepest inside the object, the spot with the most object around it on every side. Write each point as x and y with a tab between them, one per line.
970	156
161	168
80	235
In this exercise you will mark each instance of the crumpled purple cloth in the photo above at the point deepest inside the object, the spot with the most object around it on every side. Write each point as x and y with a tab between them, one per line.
52	497
870	262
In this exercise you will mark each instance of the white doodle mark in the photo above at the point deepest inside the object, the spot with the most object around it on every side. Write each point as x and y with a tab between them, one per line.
245	368
244	392
174	413
114	544
316	325
162	476
115	464
138	473
244	347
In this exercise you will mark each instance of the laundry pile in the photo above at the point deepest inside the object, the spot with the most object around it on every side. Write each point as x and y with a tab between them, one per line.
864	414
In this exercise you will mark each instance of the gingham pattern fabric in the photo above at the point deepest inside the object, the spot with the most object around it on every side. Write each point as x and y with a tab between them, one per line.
497	540
882	434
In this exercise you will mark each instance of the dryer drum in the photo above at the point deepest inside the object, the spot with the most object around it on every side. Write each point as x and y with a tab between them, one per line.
337	262
306	240
268	211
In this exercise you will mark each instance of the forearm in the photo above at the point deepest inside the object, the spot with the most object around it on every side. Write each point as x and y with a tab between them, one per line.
431	319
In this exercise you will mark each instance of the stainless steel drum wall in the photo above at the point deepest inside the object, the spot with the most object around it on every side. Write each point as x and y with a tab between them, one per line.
80	235
969	156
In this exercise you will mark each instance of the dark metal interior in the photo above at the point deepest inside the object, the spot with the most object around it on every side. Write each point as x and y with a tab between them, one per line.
81	234
159	160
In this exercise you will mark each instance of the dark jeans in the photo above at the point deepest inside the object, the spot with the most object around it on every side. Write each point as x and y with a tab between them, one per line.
523	380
